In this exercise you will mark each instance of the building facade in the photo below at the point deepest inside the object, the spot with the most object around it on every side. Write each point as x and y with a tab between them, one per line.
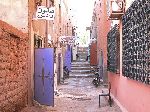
125	50
130	85
20	34
99	31
14	67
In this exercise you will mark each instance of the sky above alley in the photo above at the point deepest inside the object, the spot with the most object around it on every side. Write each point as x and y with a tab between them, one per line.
82	11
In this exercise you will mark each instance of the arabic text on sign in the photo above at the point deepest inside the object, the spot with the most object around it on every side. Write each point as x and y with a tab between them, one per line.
45	13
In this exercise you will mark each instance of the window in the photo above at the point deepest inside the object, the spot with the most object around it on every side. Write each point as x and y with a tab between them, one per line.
37	41
136	42
113	50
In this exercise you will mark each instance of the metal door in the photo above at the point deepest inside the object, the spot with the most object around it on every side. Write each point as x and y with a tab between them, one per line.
93	54
68	58
44	76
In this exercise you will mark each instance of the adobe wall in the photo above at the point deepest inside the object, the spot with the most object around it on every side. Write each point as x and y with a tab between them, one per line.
13	68
103	29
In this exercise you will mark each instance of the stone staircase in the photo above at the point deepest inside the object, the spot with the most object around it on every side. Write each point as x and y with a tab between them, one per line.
83	53
81	68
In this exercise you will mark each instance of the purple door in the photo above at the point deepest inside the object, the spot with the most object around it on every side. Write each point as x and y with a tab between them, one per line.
59	68
44	76
68	58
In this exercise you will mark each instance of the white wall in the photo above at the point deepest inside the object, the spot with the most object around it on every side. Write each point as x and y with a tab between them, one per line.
15	13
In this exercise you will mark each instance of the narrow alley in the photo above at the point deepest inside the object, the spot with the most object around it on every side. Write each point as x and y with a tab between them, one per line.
78	94
74	55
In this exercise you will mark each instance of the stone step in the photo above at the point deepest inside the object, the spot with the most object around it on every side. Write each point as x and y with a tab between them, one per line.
82	55
80	71
82	48
84	52
81	68
81	60
81	75
80	65
81	52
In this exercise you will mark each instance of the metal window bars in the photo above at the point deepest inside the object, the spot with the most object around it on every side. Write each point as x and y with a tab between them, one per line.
136	41
113	49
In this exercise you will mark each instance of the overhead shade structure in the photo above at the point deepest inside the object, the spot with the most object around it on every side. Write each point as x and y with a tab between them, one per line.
116	9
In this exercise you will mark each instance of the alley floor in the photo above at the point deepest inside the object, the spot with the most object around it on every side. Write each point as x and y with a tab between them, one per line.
77	94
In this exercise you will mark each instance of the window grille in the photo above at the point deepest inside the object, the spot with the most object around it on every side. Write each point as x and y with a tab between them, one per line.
113	49
136	41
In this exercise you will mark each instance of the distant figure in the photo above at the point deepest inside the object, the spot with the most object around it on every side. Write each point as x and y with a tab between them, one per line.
77	56
87	58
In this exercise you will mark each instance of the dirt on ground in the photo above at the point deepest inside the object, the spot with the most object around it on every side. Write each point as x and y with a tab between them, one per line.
76	95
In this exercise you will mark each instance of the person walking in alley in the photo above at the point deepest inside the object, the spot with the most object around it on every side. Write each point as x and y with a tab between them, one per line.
77	56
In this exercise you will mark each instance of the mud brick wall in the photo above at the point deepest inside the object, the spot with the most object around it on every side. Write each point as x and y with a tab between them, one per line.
13	69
